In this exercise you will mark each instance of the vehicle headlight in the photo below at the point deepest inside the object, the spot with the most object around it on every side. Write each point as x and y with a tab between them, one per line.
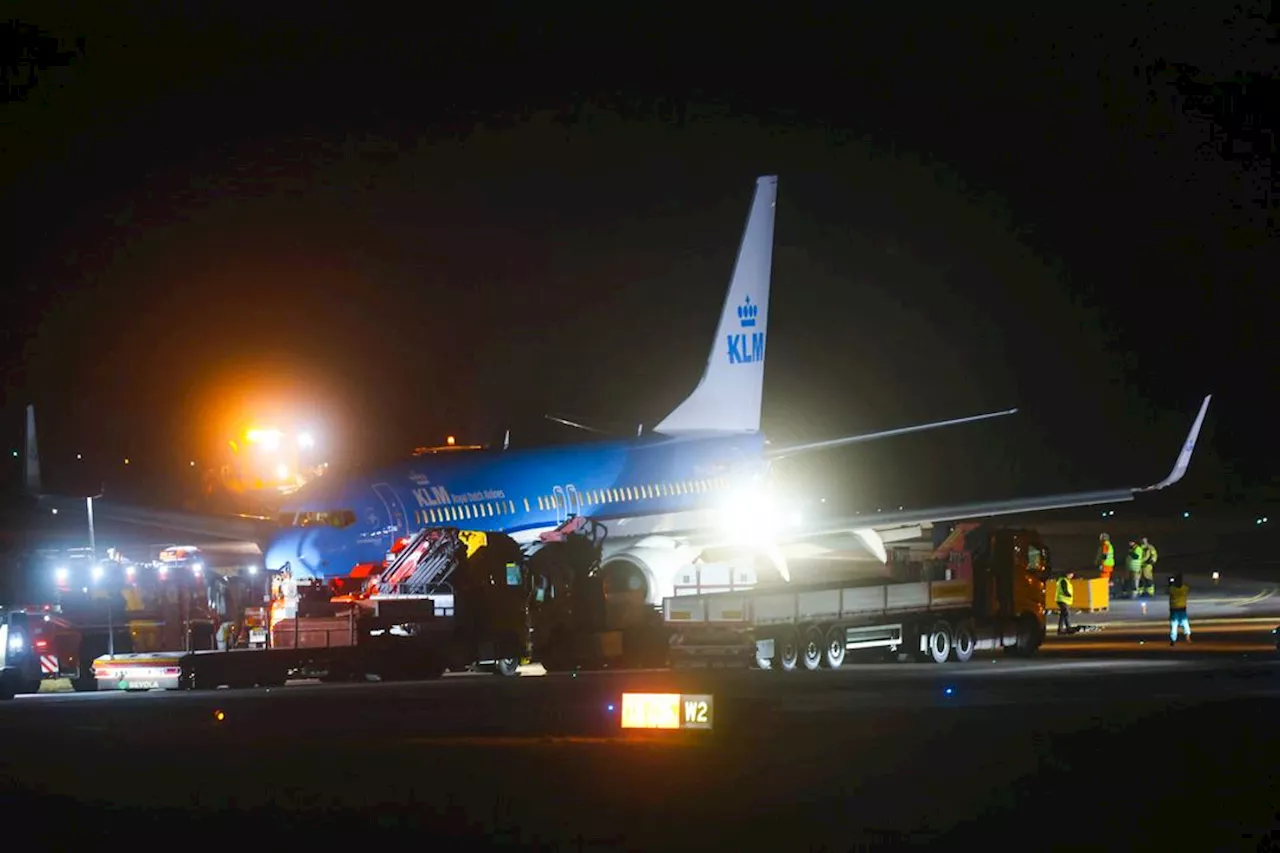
17	642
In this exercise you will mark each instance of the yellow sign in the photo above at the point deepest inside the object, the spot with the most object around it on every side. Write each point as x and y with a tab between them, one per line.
667	711
473	539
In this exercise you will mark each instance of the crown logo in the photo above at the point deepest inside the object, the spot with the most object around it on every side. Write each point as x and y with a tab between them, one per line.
747	314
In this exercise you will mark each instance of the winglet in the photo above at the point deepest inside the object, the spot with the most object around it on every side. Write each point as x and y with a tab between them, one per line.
31	458
1184	456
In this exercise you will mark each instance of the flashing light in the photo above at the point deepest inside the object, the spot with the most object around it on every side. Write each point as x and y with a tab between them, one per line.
79	456
15	454
1186	514
306	440
193	463
197	568
55	510
253	570
1216	576
17	642
219	716
282	471
129	571
126	460
949	690
449	441
268	438
98	571
163	572
62	574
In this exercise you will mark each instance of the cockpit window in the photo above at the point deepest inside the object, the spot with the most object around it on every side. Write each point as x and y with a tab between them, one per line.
330	518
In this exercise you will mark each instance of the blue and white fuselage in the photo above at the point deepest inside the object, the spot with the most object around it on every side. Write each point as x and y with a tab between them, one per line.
659	485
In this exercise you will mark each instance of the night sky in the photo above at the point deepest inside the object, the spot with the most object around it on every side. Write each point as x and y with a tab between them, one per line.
397	228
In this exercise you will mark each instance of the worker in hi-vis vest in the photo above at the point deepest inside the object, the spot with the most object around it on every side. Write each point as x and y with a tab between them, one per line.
1106	559
1133	562
1178	592
1149	557
1064	598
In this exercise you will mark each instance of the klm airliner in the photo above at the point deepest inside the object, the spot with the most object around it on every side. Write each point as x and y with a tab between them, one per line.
669	499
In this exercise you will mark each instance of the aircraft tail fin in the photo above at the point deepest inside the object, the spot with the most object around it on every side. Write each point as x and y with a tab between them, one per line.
729	395
31	460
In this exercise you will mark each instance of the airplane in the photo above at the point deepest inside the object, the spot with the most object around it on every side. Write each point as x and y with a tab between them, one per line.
668	499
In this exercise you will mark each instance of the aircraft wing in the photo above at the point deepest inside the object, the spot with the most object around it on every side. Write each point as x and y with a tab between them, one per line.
875	529
245	528
242	528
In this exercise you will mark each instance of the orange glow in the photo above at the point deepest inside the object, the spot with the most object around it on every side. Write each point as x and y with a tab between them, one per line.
449	441
651	710
268	437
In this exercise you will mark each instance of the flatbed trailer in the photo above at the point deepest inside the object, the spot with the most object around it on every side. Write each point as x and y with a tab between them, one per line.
990	595
448	600
338	647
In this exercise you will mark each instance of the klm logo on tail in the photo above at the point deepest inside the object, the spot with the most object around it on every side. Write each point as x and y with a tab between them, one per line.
744	347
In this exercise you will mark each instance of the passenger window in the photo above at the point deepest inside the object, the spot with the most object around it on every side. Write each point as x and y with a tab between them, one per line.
526	504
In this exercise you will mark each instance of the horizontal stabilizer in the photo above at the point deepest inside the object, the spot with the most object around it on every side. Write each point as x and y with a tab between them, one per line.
780	452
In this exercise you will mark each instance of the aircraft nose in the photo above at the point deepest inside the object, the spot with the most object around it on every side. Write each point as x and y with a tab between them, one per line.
310	551
301	549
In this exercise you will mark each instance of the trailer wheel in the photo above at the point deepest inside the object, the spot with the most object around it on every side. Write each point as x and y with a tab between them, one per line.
814	646
507	667
965	641
938	642
766	662
834	654
787	649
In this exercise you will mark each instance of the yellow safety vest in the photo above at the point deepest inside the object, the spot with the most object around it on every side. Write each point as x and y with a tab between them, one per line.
1107	554
1178	597
1066	594
1135	558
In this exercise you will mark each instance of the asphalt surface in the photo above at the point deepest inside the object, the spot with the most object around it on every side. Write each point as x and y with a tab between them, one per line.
1115	749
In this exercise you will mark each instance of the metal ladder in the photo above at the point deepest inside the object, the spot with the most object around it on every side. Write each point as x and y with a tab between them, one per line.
425	563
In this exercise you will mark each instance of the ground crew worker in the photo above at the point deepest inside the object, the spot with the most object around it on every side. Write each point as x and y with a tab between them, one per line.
1133	562
1178	591
1106	559
1064	598
1149	557
226	631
